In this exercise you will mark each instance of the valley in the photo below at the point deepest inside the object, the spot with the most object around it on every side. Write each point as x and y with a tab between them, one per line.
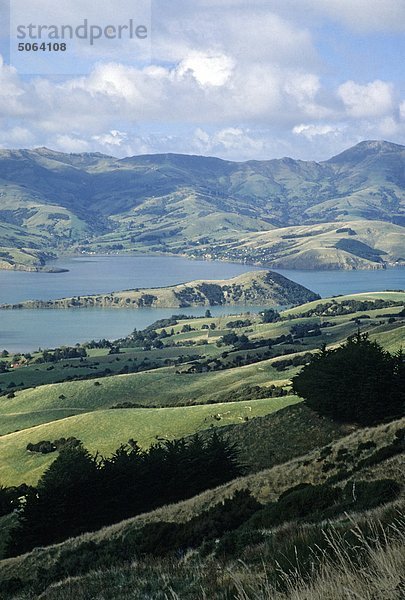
196	441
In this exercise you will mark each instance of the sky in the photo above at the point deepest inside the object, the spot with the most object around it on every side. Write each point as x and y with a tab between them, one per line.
240	80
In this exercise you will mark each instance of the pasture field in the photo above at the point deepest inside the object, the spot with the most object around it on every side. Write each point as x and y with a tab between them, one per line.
104	431
192	382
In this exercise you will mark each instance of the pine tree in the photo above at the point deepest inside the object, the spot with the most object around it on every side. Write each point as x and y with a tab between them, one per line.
359	382
63	504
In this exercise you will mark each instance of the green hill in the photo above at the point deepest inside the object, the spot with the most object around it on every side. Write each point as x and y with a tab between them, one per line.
349	245
254	288
312	490
104	430
191	369
192	204
357	456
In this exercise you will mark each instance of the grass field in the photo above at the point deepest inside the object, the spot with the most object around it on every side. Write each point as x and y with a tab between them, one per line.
392	340
98	360
105	430
160	387
177	402
394	295
265	486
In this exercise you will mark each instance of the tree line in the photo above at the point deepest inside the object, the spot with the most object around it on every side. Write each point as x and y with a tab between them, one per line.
82	492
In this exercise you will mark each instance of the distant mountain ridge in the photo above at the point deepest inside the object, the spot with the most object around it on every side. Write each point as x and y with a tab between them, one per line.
176	203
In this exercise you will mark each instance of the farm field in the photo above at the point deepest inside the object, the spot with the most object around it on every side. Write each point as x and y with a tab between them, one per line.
104	431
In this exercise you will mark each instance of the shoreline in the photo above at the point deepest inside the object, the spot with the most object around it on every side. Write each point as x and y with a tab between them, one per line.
259	264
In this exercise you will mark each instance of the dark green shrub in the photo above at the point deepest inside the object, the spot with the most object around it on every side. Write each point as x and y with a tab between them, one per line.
295	488
367	494
308	501
341	453
233	544
325	451
383	453
366	446
12	586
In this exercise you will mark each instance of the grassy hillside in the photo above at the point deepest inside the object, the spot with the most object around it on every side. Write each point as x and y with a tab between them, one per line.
380	573
280	436
105	430
160	387
363	460
283	445
192	204
192	377
395	296
338	245
254	288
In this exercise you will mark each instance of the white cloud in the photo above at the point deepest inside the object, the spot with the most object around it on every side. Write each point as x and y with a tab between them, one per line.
402	111
388	127
370	100
112	138
69	143
303	86
13	101
208	70
311	130
17	137
230	142
237	79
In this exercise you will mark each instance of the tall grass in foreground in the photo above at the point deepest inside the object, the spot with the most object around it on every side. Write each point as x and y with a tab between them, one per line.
367	564
373	569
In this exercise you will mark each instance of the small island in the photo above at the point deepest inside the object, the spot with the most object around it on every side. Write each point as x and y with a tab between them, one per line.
249	289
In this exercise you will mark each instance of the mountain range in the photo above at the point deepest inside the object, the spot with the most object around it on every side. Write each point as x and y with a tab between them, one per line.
345	212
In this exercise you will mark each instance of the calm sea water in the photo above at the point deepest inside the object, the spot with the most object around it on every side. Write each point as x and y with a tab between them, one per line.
26	330
103	274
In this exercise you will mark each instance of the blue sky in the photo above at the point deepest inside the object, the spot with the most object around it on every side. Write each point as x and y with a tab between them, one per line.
236	79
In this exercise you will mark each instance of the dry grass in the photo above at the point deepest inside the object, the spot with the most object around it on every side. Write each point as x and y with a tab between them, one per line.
371	568
266	486
377	574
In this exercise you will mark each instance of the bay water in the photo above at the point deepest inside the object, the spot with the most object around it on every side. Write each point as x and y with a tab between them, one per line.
27	330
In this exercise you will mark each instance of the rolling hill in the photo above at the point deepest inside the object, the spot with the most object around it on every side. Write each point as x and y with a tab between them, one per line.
256	288
338	245
104	430
307	484
190	204
186	385
365	458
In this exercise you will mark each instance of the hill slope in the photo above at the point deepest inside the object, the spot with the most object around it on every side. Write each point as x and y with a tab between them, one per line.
365	459
337	245
255	288
176	203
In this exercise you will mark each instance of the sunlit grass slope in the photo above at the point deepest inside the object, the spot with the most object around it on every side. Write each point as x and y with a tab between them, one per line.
105	430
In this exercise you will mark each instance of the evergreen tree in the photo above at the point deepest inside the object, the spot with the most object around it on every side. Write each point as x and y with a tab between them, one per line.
359	382
63	504
122	485
79	493
222	462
